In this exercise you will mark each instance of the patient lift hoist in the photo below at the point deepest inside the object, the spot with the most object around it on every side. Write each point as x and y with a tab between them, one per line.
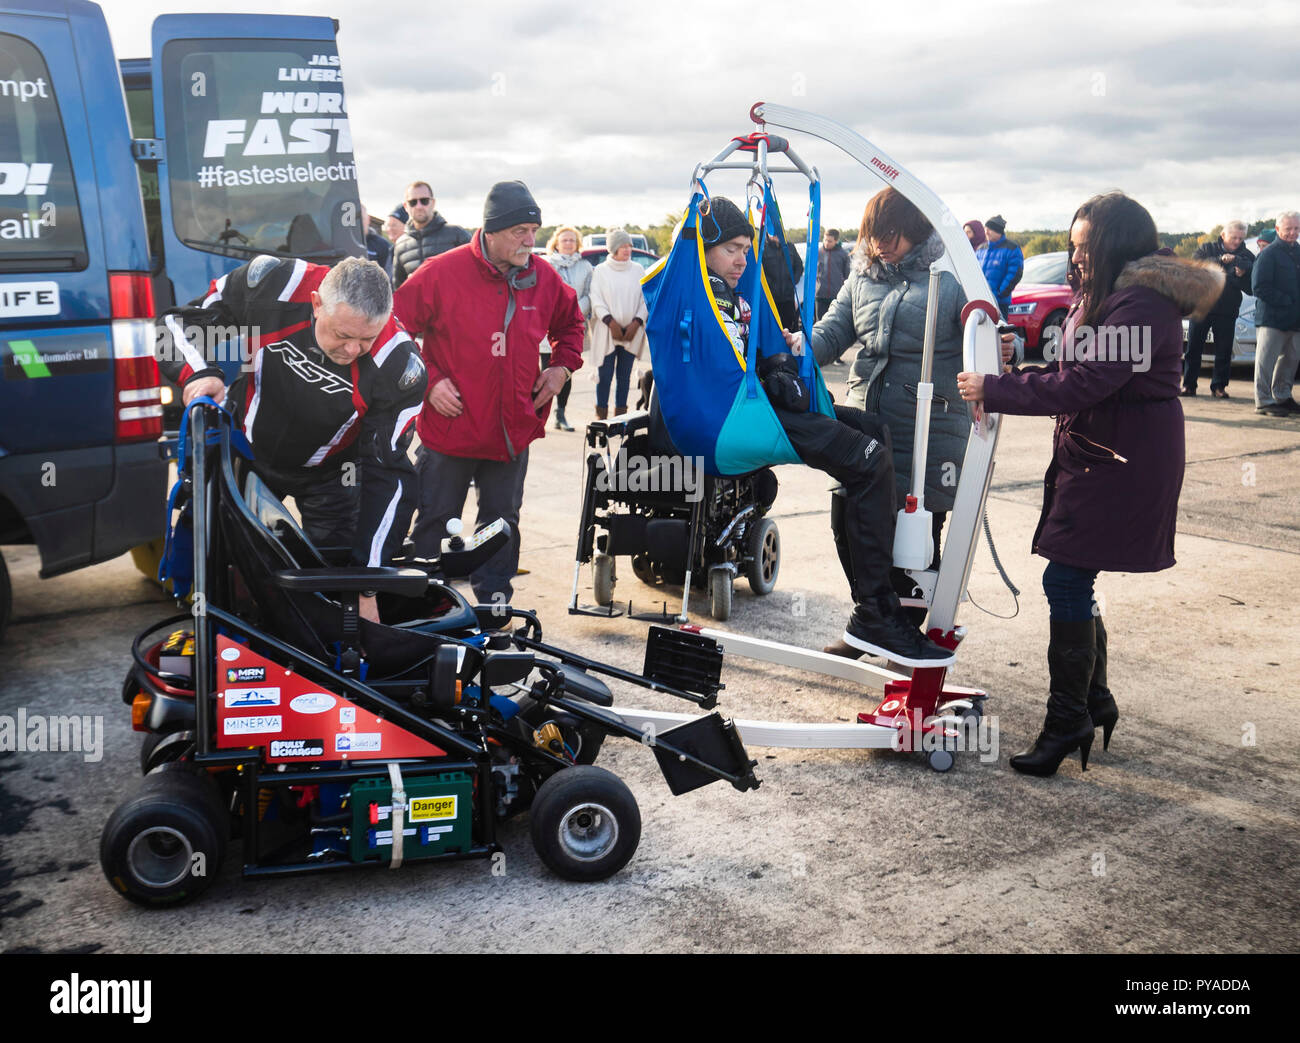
920	712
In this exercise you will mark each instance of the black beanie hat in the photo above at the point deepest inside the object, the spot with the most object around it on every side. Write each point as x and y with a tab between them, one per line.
724	221
510	203
997	223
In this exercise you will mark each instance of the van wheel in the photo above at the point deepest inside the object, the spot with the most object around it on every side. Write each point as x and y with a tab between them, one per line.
585	823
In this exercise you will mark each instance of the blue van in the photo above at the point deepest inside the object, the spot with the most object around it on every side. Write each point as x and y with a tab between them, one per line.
124	190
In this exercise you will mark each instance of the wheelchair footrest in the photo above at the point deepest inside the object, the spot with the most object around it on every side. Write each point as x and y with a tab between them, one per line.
687	661
709	739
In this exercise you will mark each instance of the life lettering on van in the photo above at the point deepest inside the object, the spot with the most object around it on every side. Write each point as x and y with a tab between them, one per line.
307	137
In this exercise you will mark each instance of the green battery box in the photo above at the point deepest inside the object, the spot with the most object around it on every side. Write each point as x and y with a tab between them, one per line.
437	820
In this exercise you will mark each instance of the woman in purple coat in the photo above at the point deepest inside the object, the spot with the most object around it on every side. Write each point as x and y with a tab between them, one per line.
1110	495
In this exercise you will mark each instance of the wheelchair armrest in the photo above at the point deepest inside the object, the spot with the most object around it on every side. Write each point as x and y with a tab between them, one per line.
623	425
410	583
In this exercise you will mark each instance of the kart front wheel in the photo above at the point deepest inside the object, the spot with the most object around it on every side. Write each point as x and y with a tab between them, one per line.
585	823
164	844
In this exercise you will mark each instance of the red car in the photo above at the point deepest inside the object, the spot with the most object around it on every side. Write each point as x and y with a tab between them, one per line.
1042	298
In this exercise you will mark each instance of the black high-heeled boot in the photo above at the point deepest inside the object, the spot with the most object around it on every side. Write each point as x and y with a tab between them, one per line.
1071	655
1101	703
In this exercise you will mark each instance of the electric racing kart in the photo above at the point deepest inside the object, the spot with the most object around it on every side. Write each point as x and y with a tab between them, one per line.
274	714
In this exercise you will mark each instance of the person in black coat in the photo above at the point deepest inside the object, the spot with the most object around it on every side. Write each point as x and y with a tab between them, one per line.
1229	252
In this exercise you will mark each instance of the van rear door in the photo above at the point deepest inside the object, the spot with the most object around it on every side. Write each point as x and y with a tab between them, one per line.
256	151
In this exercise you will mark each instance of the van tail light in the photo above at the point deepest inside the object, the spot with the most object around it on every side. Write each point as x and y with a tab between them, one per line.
137	401
130	295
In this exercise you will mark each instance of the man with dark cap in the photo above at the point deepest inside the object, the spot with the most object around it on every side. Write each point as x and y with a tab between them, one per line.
853	448
482	310
1002	260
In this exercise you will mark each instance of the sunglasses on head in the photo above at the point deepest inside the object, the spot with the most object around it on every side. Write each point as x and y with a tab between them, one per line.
419	201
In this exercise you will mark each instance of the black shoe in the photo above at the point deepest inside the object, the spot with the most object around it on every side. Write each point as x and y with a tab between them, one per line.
1278	410
1071	658
1289	405
880	628
1101	703
1053	746
1220	392
1187	393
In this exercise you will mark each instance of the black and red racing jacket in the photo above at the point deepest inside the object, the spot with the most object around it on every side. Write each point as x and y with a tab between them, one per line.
303	413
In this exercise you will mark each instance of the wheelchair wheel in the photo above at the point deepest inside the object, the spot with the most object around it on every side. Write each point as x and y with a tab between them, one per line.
720	593
602	578
644	571
585	823
763	551
164	844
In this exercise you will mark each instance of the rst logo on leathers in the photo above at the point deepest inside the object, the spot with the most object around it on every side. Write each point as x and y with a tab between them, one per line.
309	371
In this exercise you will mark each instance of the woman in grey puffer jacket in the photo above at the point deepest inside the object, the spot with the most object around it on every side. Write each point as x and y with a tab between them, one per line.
563	253
881	309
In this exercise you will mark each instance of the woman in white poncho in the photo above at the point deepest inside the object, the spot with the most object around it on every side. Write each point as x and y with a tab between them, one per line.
618	314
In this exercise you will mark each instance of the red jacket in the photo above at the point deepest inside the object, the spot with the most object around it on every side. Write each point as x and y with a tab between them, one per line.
460	302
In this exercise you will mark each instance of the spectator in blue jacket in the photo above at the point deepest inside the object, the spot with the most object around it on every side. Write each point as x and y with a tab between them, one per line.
1002	261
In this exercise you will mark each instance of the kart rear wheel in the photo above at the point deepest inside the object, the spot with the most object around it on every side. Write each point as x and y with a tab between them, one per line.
585	823
720	593
763	549
164	844
164	748
602	578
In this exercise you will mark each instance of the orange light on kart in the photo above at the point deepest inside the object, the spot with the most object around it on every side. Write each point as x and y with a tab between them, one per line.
140	710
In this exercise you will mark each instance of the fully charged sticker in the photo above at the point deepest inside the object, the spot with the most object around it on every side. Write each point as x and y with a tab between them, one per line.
297	747
430	809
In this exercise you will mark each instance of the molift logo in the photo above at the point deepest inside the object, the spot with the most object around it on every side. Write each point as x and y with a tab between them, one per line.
884	168
93	996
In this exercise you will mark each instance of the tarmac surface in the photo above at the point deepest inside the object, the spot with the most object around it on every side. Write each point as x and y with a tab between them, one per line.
1183	837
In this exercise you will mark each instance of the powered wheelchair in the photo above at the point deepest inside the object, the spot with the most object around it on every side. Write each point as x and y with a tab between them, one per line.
644	500
275	715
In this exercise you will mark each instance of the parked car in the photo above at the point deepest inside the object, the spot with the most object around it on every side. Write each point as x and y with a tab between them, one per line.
639	241
93	243
1041	299
596	254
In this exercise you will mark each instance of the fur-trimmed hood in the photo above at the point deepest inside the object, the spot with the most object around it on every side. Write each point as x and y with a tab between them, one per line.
1193	286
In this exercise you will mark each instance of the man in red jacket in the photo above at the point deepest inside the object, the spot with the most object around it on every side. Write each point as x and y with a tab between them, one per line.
482	309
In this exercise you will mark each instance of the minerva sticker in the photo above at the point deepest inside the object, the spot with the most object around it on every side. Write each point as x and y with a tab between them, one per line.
358	742
249	725
312	702
230	654
241	697
429	809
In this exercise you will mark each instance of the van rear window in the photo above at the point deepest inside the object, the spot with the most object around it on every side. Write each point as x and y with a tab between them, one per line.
40	221
259	151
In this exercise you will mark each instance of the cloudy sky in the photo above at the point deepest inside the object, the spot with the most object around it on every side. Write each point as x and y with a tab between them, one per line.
1023	108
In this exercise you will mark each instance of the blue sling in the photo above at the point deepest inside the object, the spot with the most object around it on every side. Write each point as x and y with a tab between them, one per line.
709	393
